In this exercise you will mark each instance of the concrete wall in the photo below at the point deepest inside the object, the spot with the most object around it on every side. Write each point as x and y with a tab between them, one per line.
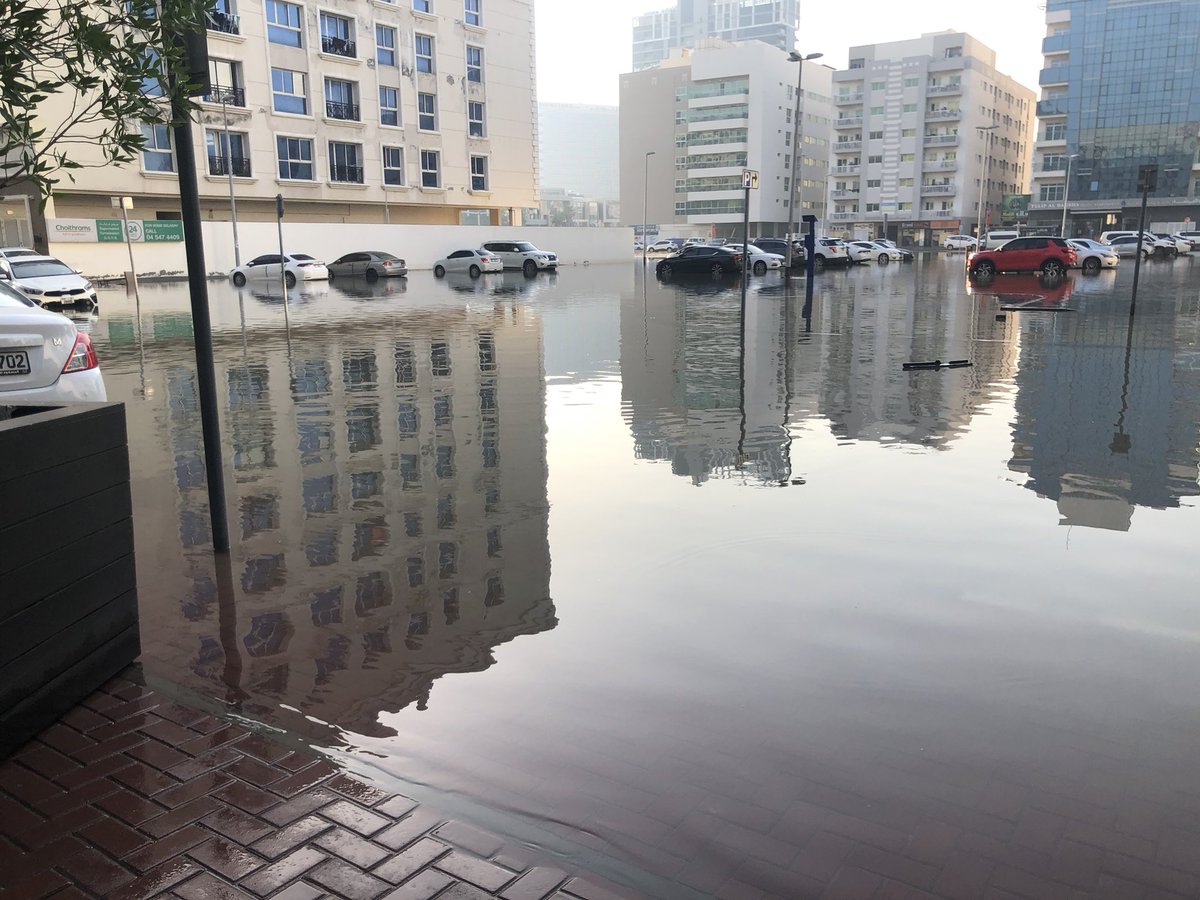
420	245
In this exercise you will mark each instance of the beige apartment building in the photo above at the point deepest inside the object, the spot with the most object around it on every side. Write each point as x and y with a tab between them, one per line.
412	111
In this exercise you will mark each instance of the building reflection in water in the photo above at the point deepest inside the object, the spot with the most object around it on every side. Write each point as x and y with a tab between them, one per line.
388	494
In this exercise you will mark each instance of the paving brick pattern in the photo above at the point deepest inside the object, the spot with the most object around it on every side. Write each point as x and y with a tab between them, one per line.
131	796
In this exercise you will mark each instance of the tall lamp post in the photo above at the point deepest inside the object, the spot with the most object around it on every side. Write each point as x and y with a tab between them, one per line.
987	165
646	206
1067	193
797	150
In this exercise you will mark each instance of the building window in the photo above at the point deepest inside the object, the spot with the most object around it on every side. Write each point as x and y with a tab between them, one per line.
337	35
430	170
424	48
873	182
389	106
227	153
475	120
225	83
1055	133
875	136
473	11
877	110
475	65
909	107
340	100
1051	192
345	162
479	176
156	152
385	45
393	166
427	112
295	158
425	6
878	85
953	52
911	82
283	23
876	158
288	92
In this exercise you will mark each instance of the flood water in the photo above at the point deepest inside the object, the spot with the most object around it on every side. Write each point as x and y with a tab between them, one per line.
709	606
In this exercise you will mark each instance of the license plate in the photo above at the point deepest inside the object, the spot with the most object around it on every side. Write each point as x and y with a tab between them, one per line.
14	362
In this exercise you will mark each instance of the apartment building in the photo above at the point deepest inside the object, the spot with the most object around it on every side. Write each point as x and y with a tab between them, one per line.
928	139
420	111
656	34
707	114
1118	91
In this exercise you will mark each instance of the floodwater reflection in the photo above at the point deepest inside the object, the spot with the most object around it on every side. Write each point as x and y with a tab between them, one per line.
899	659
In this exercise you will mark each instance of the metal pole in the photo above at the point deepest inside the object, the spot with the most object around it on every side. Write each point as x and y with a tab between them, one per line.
282	269
1137	257
797	135
206	376
746	238
237	254
129	246
982	180
646	205
1066	194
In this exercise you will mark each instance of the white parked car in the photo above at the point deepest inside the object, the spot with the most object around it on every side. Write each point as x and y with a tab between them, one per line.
44	358
473	262
296	267
665	246
959	242
760	260
15	252
46	280
1092	256
869	251
1184	243
522	255
1127	245
1175	244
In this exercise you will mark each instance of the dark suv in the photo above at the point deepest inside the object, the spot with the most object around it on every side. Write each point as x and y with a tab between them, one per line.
1048	255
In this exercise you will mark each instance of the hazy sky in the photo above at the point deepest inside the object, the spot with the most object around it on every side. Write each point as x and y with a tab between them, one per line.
583	47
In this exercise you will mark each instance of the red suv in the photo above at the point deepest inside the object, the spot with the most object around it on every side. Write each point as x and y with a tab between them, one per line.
1048	255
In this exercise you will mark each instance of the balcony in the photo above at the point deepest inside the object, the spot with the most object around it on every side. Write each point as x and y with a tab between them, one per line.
848	122
940	165
227	96
843	216
1055	107
223	22
943	113
346	174
843	195
938	189
1056	43
347	112
339	46
852	97
238	166
847	146
845	170
943	90
1053	75
943	140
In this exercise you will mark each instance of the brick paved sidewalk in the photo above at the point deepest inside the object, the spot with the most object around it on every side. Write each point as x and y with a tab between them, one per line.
132	795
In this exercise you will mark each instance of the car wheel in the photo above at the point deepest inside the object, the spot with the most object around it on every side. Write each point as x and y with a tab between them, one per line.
372	275
717	270
474	271
1091	265
439	271
239	279
1053	268
818	262
529	268
884	259
760	268
289	279
983	269
664	271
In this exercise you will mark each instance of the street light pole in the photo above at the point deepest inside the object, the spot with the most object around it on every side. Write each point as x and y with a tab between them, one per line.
797	137
987	164
646	206
1067	194
237	254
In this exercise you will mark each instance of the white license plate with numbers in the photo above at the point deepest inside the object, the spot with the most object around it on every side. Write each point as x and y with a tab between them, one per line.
14	362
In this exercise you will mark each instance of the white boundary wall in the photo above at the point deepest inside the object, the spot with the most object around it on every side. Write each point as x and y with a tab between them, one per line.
419	245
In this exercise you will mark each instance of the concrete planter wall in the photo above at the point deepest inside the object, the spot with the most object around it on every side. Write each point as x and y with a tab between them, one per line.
68	595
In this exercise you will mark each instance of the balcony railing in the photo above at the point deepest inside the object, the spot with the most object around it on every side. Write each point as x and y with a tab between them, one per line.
1056	43
848	122
943	113
853	97
238	166
339	46
843	195
347	112
847	146
843	216
1053	75
941	139
230	96
938	189
936	90
940	165
346	174
223	22
1056	107
845	170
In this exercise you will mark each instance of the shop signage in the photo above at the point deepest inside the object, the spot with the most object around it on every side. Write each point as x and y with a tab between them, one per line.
110	231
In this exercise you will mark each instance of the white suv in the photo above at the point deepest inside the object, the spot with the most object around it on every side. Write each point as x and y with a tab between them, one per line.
958	242
522	255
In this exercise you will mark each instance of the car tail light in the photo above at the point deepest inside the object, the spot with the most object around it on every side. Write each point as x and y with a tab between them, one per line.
83	355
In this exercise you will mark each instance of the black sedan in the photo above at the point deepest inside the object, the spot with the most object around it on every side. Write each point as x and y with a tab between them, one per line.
700	260
368	264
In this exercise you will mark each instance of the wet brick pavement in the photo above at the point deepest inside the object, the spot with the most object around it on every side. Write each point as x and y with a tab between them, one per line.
132	795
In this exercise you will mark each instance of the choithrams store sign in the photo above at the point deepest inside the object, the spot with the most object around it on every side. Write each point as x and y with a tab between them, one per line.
105	231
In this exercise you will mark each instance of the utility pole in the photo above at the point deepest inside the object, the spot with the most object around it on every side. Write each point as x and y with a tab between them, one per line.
797	150
1147	182
237	255
749	183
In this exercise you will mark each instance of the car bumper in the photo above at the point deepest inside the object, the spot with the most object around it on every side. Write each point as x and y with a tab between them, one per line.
313	273
394	272
76	387
89	298
496	266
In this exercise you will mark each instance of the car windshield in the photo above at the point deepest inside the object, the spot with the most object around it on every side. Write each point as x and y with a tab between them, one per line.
303	256
40	268
524	246
10	298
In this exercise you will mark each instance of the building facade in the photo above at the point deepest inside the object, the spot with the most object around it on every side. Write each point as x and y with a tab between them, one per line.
656	34
1120	90
706	115
928	138
419	111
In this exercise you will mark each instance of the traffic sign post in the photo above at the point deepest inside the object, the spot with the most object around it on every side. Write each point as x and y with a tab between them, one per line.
749	183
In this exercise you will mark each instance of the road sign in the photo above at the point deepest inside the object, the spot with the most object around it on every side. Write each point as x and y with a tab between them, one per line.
750	179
